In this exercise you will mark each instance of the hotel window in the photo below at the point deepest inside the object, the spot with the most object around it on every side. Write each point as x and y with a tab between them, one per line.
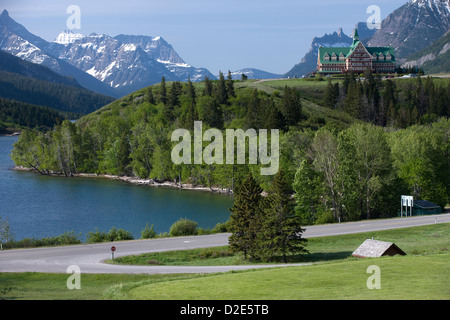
326	57
381	57
333	57
388	57
341	57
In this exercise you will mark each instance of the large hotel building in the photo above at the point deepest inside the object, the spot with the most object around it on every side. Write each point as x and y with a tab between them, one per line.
356	58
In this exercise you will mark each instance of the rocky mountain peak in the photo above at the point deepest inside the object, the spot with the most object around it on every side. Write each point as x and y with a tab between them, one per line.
413	26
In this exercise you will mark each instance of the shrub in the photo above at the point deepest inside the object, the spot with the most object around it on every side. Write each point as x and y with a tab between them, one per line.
183	227
97	236
148	233
118	235
113	235
221	227
325	217
64	239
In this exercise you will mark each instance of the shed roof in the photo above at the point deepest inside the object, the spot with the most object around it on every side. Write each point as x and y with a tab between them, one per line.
375	248
425	204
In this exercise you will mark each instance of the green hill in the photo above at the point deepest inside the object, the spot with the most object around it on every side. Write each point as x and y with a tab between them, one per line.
15	115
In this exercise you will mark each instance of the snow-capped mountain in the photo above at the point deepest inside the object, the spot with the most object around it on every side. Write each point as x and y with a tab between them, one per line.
122	64
67	37
413	26
252	73
18	41
126	62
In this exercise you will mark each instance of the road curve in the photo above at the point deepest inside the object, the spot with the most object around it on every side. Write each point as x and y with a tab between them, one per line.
89	257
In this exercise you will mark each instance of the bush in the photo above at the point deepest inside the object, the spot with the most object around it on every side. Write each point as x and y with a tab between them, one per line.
183	227
64	239
113	235
148	233
325	217
97	236
221	227
119	234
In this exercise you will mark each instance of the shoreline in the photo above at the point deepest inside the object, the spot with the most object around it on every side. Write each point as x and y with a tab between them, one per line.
138	181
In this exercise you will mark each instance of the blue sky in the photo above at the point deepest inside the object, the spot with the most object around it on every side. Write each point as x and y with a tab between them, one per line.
217	35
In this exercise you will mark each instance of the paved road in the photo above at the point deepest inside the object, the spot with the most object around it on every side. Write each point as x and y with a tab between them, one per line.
89	257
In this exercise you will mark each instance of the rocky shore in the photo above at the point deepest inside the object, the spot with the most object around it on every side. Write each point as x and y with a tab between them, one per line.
140	181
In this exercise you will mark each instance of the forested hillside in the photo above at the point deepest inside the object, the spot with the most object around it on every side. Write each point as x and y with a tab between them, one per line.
46	93
347	162
396	103
21	114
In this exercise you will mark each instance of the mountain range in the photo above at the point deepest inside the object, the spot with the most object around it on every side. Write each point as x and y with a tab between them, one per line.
112	66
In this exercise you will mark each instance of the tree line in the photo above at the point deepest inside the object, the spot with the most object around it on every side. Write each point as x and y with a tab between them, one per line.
27	115
58	96
400	103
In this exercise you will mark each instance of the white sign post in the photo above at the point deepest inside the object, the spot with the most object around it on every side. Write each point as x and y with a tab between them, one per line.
407	201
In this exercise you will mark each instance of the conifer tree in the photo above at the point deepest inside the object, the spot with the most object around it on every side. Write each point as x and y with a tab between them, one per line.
229	85
245	218
291	106
281	233
163	91
123	154
253	116
190	116
150	97
330	97
190	91
273	117
174	94
352	99
208	90
220	90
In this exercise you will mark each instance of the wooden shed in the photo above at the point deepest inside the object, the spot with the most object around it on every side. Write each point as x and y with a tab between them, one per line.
422	207
375	248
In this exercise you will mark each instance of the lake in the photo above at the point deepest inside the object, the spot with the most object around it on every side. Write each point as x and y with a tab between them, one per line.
43	206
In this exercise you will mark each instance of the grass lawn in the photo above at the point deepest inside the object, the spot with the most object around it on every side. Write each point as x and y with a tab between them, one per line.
423	274
401	277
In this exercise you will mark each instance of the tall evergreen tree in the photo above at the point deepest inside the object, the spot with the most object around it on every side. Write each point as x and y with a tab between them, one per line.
253	116
150	96
291	106
123	155
163	91
352	99
282	232
273	117
190	91
245	218
330	98
208	90
174	94
220	90
212	114
230	86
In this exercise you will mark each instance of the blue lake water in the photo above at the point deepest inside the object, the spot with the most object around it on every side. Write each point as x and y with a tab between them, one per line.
42	206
